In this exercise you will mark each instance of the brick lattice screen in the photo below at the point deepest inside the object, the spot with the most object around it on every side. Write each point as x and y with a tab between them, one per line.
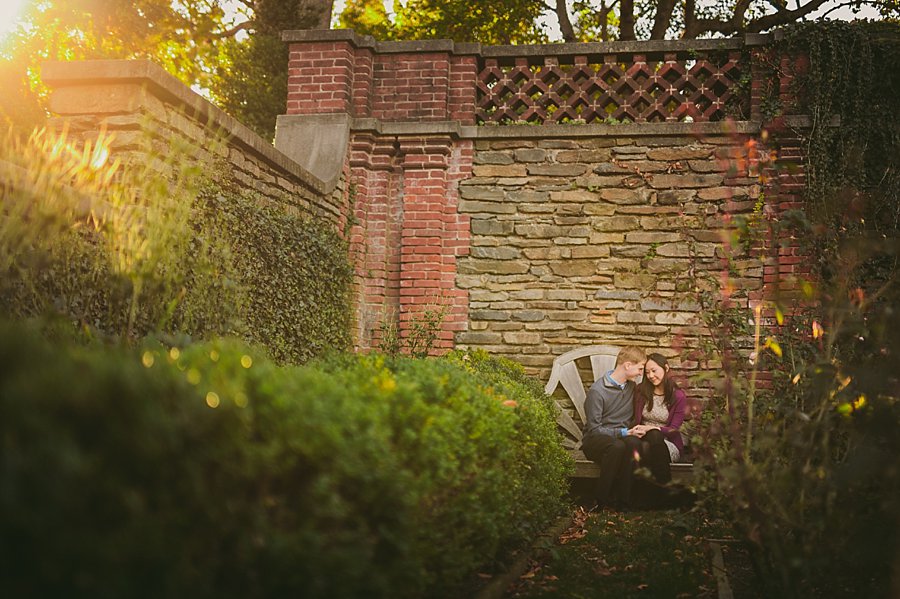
625	87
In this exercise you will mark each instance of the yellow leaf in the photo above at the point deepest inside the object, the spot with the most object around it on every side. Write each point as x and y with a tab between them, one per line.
779	315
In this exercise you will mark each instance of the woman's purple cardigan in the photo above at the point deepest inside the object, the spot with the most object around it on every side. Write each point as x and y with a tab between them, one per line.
676	416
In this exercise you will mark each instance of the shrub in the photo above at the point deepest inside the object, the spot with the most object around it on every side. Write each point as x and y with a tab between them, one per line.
211	471
153	245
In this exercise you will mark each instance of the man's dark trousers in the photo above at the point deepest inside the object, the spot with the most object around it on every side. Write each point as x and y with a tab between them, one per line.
616	460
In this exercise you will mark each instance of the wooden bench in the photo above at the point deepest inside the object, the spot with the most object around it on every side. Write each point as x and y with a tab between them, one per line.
566	374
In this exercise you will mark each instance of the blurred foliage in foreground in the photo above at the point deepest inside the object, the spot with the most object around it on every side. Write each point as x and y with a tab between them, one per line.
209	471
808	469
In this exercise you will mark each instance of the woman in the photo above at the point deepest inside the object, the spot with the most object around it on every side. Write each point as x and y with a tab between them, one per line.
659	410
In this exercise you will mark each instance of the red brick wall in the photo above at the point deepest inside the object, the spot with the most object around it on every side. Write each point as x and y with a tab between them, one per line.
409	231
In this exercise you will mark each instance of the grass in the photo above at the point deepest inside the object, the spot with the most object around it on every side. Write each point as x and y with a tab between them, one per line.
633	554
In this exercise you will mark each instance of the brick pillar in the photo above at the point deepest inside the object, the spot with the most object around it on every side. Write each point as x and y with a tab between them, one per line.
433	233
375	236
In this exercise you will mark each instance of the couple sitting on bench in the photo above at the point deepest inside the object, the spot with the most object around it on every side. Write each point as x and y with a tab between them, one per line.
628	423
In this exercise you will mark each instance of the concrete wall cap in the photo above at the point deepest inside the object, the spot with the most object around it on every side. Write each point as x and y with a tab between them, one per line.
537	51
381	47
58	74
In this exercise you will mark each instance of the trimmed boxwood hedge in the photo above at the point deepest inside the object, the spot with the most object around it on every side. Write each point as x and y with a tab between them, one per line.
211	471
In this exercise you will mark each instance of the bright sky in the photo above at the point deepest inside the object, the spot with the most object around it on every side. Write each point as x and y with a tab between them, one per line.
10	11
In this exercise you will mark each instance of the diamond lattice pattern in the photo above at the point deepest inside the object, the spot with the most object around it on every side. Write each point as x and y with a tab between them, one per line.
668	88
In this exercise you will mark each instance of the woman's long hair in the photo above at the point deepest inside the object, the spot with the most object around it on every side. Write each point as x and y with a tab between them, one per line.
668	383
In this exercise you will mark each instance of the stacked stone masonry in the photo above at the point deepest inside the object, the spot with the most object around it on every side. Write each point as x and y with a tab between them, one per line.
148	113
539	238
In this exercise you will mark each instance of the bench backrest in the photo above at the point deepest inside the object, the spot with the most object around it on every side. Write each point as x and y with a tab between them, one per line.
565	372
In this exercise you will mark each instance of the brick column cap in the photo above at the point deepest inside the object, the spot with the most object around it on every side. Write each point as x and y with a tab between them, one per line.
367	41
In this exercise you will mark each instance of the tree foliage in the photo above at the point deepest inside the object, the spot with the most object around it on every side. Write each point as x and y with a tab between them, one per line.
519	21
503	22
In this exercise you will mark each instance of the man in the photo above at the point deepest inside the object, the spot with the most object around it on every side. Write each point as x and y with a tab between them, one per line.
609	408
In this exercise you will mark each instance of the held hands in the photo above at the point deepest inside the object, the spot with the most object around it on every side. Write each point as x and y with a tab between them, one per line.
639	430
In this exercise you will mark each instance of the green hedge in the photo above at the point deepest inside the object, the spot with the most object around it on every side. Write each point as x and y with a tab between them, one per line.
211	472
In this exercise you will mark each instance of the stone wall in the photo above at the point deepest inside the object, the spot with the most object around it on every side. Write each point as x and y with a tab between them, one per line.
550	196
606	238
147	111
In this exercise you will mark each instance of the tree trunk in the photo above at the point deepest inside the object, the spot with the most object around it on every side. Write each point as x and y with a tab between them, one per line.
626	21
565	24
663	19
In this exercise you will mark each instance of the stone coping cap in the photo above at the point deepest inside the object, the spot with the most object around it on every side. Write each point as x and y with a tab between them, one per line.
145	72
555	130
536	50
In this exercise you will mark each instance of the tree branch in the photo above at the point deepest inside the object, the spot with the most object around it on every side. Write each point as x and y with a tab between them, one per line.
231	32
565	24
626	21
664	9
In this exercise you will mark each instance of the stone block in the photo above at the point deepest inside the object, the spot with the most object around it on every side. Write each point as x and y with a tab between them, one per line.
675	196
574	195
481	192
530	155
628	150
557	170
498	315
706	166
478	337
568	315
574	268
685	181
591	251
544	253
528	315
680	153
679	318
599	209
512	144
629	251
669	222
532	197
499	170
616	223
661	265
625	196
657	304
558	144
609	168
654	237
599	155
680	249
540	231
633	317
493	158
617	294
570	240
601	238
472	206
627	280
491	226
500	267
537	208
522	338
714	194
495	253
483	295
528	294
567	294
